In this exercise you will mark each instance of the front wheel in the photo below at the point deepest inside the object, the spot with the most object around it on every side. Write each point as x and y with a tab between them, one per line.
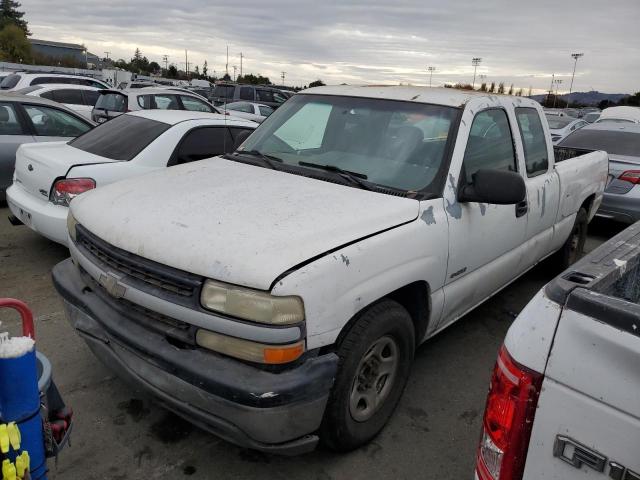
375	360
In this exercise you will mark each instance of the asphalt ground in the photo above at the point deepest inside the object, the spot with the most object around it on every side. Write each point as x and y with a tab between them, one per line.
119	435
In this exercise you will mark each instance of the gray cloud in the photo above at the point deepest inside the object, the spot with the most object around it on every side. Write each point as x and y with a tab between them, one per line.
366	42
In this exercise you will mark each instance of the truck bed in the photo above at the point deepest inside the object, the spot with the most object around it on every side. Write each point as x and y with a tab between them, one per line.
588	416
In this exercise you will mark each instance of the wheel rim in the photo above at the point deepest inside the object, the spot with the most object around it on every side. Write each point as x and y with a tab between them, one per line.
374	379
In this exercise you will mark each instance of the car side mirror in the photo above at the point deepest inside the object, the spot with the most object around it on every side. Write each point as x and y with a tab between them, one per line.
498	187
241	137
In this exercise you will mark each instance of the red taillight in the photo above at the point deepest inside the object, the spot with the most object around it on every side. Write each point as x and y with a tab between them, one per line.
66	189
632	176
508	419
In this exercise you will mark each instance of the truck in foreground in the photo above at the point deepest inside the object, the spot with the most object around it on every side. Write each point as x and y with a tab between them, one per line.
277	295
564	401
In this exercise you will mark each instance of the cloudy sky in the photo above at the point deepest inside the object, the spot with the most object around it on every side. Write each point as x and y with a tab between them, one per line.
355	41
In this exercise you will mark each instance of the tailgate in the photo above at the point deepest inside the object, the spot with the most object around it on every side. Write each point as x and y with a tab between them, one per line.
39	165
588	417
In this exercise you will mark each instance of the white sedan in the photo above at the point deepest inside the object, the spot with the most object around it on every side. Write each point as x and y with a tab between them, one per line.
79	98
48	176
560	127
249	110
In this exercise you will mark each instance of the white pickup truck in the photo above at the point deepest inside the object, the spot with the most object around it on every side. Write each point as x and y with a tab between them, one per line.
277	295
564	401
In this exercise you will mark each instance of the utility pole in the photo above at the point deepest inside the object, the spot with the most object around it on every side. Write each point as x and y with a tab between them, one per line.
234	72
575	57
107	55
475	62
165	59
226	67
553	76
186	63
241	63
557	81
282	76
431	70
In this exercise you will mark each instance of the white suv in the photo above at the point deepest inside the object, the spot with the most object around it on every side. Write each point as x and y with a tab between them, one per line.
19	80
113	103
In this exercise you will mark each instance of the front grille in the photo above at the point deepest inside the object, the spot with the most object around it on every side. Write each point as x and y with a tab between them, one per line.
150	276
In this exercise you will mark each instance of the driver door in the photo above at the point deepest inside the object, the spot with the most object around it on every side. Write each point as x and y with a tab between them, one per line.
484	240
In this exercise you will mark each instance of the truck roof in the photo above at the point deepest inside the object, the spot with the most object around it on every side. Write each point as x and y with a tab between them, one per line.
434	95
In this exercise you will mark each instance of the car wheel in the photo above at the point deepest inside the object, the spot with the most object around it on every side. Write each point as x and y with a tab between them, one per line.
375	356
573	248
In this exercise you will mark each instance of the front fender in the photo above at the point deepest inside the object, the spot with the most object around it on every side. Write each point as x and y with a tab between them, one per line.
340	284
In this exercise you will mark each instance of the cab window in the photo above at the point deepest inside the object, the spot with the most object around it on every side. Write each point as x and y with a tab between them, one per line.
490	144
533	141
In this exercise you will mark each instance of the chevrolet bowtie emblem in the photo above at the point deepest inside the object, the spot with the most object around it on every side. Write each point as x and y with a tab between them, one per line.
111	284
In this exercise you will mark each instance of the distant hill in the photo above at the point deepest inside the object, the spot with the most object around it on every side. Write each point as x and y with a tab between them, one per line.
586	98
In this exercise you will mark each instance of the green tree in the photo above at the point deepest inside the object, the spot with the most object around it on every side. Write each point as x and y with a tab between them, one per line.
483	87
154	67
10	15
317	83
252	79
205	69
501	87
511	89
492	88
196	71
14	46
172	72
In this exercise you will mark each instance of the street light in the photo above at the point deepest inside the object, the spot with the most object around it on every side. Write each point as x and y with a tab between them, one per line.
431	70
575	57
557	81
475	62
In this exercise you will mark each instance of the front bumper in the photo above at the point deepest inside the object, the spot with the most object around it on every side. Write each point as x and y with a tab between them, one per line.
38	214
621	207
254	408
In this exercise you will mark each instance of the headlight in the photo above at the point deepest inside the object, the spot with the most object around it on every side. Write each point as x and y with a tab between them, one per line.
251	304
71	225
250	351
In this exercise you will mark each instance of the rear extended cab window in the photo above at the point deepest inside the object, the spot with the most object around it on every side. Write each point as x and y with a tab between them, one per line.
122	138
533	140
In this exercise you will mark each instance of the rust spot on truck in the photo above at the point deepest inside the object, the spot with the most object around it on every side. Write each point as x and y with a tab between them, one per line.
428	217
454	208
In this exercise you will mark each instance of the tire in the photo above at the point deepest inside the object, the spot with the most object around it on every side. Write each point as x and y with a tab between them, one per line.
573	248
375	357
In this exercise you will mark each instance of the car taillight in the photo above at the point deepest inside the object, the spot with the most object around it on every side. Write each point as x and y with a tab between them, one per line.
66	189
632	176
508	420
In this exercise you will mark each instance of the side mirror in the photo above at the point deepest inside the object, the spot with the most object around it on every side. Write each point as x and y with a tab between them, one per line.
498	187
241	137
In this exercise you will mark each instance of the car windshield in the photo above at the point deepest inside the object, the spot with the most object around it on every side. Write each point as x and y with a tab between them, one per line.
556	122
112	102
121	138
391	143
614	142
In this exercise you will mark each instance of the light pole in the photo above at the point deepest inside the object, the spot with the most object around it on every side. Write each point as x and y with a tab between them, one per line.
575	57
557	81
475	62
234	72
431	70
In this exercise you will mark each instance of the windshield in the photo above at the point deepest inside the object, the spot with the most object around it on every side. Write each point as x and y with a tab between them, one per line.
112	102
122	138
611	141
556	122
390	143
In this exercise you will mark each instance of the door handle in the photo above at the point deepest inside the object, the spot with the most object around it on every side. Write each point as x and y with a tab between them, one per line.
522	208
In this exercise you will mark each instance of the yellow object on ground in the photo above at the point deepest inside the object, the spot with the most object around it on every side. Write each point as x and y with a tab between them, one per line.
4	439
14	435
8	470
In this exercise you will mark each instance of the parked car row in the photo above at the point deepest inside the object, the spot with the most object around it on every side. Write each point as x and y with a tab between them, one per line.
273	285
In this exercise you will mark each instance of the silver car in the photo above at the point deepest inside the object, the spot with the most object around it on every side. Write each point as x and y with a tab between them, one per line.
256	112
26	119
560	127
621	200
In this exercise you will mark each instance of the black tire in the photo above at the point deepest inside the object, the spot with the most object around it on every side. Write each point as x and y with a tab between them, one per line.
573	248
383	325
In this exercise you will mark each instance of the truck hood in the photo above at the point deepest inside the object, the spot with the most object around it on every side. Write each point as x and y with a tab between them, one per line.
39	164
233	222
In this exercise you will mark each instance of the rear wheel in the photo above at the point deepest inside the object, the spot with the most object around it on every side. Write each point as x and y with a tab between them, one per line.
375	361
573	248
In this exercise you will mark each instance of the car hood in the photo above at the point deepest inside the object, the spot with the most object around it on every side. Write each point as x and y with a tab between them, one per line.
233	222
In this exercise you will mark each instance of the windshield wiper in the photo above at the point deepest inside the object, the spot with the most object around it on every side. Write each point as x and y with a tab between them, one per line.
355	177
267	159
